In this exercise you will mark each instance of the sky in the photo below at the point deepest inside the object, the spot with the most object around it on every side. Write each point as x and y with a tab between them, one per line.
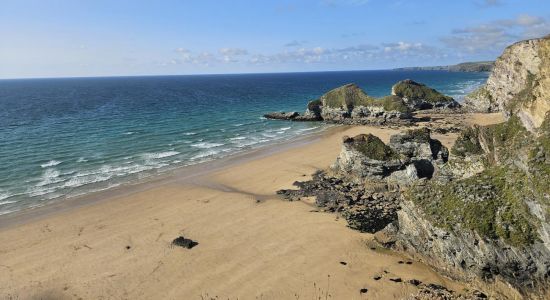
75	38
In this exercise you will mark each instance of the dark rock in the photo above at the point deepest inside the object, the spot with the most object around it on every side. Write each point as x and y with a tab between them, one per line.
396	279
184	242
363	290
377	277
343	263
282	115
415	282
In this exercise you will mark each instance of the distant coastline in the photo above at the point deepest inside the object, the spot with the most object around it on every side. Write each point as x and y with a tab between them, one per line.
479	66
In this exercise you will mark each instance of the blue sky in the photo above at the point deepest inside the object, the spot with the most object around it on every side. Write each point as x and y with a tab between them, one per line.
58	38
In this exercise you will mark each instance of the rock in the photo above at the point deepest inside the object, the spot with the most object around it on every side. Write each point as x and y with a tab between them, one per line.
418	96
396	279
519	83
349	104
363	290
282	115
184	242
415	282
377	277
407	158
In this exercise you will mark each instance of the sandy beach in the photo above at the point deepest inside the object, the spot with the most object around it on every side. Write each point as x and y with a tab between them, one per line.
252	244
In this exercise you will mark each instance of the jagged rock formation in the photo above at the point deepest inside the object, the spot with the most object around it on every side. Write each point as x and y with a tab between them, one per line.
519	84
349	104
409	156
490	223
419	96
363	184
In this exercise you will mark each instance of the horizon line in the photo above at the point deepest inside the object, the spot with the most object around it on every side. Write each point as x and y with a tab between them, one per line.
242	73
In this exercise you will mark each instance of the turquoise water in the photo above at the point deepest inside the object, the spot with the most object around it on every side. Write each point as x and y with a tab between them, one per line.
62	138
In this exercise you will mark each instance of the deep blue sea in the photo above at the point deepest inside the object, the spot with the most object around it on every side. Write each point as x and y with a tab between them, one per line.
62	138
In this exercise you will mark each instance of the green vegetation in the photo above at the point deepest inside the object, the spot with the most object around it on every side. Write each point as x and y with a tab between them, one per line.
490	203
524	96
417	91
350	96
481	93
420	135
346	96
493	203
467	143
391	103
373	147
314	105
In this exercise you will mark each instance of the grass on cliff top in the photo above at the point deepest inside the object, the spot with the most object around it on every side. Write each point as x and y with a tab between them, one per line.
490	203
481	93
373	147
493	203
418	91
467	143
351	95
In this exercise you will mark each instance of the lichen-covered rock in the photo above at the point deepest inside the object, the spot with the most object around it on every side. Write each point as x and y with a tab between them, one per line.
519	83
408	157
480	100
419	96
349	104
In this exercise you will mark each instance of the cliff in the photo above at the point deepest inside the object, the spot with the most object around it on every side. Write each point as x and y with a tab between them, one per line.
480	213
519	83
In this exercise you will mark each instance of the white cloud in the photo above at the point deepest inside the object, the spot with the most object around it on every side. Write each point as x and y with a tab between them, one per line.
493	36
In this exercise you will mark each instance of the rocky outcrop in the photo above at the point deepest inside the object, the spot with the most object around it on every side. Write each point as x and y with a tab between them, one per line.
519	83
419	96
363	185
349	104
409	156
366	210
491	221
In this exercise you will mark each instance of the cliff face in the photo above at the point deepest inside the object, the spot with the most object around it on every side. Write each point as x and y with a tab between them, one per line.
519	83
487	213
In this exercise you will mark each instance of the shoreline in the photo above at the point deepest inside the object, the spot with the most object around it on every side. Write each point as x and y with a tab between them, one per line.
251	243
181	173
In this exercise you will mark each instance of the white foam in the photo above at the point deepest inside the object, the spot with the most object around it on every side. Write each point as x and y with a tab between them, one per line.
238	138
7	212
50	176
269	135
205	154
5	195
308	129
51	163
189	133
284	128
160	154
6	202
128	133
206	145
82	159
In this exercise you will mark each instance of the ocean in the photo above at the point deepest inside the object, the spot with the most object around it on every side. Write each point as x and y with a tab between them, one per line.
66	137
